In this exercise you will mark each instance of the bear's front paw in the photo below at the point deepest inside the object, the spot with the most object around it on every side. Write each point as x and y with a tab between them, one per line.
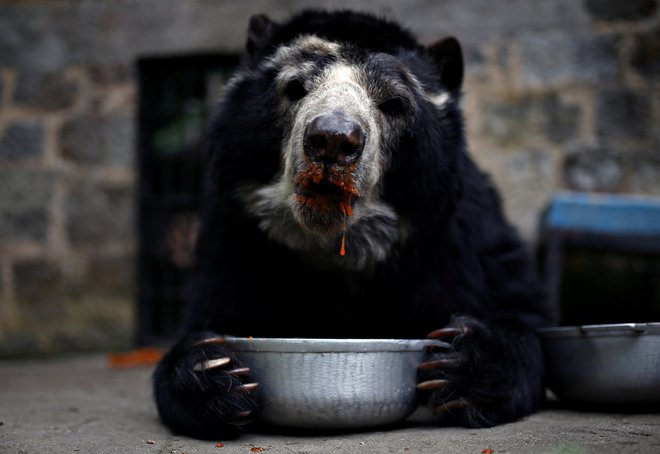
489	376
202	390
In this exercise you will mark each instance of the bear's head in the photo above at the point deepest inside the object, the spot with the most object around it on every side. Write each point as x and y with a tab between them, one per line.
339	130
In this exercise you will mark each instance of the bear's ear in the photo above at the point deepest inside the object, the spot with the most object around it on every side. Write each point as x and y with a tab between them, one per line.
448	56
260	30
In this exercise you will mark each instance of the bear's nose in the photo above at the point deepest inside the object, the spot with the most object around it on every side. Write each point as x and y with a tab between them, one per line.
333	139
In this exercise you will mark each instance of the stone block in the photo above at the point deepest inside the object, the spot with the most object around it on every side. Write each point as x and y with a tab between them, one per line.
516	117
621	10
623	115
111	276
508	119
98	140
51	36
111	74
50	91
24	204
531	177
39	287
554	58
98	213
93	336
643	170
561	121
592	168
21	140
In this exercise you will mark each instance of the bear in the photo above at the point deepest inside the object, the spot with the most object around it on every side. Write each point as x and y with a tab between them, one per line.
342	202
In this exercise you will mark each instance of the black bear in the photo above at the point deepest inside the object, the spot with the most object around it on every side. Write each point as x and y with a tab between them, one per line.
343	203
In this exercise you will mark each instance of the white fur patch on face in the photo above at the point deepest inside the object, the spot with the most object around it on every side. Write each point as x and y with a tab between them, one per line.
305	44
342	89
440	99
369	239
313	43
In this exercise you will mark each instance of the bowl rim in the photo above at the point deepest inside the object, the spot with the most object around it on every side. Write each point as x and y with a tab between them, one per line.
318	345
603	330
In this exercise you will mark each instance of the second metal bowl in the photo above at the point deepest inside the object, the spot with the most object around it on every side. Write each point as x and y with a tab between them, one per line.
615	364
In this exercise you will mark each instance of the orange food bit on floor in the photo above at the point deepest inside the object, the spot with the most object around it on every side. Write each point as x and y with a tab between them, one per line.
139	357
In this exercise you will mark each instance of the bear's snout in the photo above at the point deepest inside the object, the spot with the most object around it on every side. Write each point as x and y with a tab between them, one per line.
334	138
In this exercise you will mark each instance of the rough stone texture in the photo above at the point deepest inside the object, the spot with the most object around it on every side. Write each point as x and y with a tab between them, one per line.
531	179
40	289
644	170
51	91
555	57
509	119
98	214
100	32
24	204
617	10
112	74
561	122
22	139
624	115
111	275
99	140
593	168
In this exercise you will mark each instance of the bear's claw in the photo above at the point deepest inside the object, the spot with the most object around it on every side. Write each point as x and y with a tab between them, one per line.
439	363
447	407
211	364
246	388
241	414
239	372
210	340
432	384
443	333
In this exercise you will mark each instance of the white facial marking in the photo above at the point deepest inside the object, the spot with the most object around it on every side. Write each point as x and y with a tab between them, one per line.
439	99
307	43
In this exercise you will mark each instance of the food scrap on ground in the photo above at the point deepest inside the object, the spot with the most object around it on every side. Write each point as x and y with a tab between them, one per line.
487	451
140	357
257	449
219	445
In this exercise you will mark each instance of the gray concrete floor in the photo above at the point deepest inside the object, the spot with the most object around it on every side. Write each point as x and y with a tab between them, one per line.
82	405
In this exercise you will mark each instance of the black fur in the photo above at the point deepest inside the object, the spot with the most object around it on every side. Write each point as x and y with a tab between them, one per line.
460	265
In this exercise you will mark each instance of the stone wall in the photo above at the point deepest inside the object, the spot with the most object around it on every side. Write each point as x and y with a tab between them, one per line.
66	208
560	94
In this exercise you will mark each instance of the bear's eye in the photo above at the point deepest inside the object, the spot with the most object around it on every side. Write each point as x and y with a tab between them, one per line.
295	90
393	107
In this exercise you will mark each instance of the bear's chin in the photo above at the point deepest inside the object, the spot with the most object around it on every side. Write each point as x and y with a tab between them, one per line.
322	216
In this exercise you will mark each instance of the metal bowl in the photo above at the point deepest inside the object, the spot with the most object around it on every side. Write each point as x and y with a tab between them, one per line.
333	383
604	364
